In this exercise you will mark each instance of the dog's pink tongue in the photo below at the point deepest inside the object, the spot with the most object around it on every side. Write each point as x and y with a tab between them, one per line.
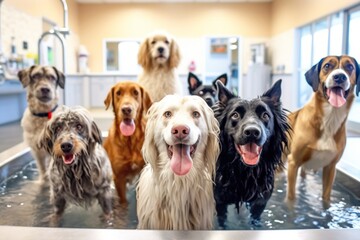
181	161
336	96
68	158
250	153
127	127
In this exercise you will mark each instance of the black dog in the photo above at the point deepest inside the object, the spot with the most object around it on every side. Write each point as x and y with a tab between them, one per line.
206	92
253	135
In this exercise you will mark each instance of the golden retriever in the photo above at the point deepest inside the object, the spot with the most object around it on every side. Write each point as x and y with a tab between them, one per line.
175	188
130	102
159	56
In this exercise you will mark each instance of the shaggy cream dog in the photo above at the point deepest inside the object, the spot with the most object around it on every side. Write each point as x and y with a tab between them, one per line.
175	189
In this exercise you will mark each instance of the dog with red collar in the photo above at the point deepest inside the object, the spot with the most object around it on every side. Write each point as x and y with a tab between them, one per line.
41	84
319	128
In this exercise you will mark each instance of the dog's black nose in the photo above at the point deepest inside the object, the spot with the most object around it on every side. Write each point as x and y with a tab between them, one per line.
66	147
180	131
45	90
161	49
339	78
252	132
126	110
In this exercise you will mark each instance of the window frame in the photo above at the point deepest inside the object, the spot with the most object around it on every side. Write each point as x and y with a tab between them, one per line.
104	53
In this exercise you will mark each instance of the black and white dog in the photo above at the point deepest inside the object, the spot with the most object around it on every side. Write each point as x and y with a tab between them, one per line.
253	135
206	92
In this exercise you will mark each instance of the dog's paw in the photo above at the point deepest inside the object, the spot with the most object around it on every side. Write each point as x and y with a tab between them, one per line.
290	202
108	219
55	220
256	223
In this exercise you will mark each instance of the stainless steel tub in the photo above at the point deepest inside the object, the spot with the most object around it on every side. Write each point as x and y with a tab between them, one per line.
13	160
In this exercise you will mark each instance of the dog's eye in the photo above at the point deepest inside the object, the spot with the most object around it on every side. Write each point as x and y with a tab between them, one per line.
201	93
36	76
214	93
51	77
235	115
265	116
136	92
167	114
118	92
79	127
327	66
167	42
349	67
153	42
57	129
196	114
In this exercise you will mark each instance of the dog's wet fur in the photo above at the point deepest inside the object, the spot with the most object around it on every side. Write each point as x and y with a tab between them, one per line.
253	135
79	170
205	91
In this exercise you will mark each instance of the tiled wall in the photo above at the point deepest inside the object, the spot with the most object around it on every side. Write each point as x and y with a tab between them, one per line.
20	25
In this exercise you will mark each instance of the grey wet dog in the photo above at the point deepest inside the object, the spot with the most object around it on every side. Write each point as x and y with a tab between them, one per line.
80	170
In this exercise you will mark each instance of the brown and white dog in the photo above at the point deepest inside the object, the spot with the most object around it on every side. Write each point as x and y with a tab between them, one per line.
159	57
319	131
41	83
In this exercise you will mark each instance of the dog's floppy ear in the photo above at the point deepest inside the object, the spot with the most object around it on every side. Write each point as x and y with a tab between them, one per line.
146	100
223	93
96	133
223	78
24	76
45	140
312	75
60	77
193	81
357	68
274	93
174	58
212	144
144	58
109	99
149	149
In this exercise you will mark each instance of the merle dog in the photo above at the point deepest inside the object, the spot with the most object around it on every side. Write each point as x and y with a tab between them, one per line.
80	170
253	135
206	92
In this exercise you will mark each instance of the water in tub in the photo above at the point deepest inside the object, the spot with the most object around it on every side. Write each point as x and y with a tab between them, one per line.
24	203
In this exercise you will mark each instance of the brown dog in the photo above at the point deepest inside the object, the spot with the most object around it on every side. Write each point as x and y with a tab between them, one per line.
319	134
130	103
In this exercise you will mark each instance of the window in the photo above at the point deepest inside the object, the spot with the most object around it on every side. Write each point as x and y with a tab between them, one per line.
121	56
353	50
336	34
305	62
320	40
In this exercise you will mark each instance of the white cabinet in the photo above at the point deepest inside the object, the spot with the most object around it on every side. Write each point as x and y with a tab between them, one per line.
90	90
99	88
74	91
